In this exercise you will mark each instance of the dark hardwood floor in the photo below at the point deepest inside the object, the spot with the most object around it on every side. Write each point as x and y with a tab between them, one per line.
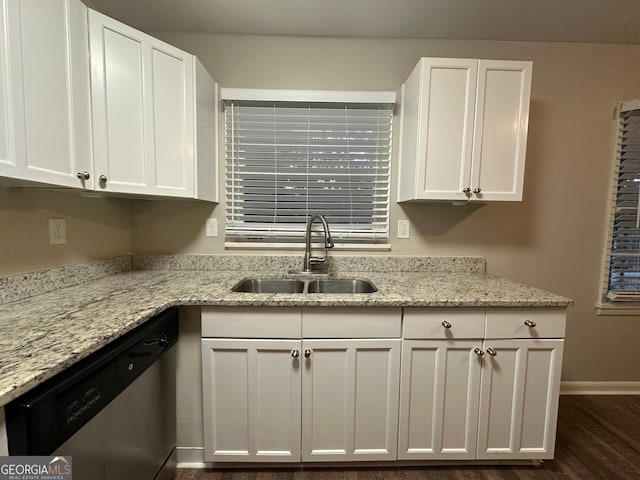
598	438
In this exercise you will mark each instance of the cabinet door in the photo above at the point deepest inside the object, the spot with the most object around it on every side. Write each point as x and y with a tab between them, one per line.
519	399
7	149
143	117
439	391
444	93
120	106
172	151
350	400
251	397
45	104
500	135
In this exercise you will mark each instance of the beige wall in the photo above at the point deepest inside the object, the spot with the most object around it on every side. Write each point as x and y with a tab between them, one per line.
552	240
96	228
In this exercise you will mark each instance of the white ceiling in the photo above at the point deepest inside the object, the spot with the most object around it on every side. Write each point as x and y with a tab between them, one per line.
591	21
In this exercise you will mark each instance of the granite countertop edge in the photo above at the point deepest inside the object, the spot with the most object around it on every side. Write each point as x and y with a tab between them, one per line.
46	334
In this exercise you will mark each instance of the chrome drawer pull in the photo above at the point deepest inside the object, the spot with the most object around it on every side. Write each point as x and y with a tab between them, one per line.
530	323
446	324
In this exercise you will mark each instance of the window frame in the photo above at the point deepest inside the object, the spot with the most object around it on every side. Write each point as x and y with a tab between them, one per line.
604	305
283	97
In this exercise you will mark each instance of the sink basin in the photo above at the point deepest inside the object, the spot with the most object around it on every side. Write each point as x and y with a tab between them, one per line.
341	285
292	285
269	285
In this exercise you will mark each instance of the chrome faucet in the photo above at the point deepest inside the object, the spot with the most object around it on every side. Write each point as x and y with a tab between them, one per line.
328	243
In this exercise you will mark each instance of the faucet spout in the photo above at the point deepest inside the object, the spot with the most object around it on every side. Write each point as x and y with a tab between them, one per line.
310	260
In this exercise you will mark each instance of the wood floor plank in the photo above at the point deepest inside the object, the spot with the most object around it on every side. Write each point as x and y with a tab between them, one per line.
598	438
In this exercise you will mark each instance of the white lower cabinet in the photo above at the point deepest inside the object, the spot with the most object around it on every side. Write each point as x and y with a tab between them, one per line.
519	399
430	384
350	400
466	394
252	395
439	400
292	400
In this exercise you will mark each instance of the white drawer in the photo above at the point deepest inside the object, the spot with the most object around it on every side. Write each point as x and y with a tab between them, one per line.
453	323
253	322
350	322
512	323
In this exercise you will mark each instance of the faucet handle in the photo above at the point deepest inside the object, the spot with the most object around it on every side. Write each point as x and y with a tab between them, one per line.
317	260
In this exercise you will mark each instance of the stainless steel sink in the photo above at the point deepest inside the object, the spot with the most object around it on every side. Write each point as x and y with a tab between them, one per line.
269	285
341	285
292	285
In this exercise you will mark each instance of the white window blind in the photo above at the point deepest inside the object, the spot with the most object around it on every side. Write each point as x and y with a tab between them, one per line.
288	160
624	258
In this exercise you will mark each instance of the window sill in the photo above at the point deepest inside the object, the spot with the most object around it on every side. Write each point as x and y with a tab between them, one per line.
300	246
611	309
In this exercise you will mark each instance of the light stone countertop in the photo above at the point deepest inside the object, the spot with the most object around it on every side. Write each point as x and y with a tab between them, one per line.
44	334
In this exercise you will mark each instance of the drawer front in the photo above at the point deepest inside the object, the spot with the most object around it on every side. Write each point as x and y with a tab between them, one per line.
371	322
237	322
526	323
443	323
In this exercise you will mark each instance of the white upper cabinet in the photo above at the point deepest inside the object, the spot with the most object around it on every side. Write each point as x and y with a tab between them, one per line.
45	133
464	129
145	107
88	102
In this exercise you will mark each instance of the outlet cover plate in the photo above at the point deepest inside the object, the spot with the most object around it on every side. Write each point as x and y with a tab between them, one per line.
57	231
211	227
403	228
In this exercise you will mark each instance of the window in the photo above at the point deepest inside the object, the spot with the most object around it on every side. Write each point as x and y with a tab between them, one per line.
623	279
287	159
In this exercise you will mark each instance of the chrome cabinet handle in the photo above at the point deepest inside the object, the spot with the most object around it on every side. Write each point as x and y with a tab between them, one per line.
466	190
295	353
478	352
307	352
446	324
83	175
492	352
477	190
530	323
102	178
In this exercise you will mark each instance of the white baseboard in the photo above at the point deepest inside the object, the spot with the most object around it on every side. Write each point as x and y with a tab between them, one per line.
190	457
600	388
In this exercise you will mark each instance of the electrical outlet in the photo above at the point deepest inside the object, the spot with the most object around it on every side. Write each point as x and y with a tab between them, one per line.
57	231
211	227
403	228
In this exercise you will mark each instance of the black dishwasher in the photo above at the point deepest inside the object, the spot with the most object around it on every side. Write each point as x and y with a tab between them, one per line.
126	389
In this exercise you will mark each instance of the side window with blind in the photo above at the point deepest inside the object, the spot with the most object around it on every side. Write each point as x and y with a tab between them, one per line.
623	282
287	160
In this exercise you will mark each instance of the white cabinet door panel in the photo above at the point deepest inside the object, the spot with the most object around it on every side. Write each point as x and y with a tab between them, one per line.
7	135
439	394
519	399
173	121
500	137
119	105
251	391
350	400
445	141
45	92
